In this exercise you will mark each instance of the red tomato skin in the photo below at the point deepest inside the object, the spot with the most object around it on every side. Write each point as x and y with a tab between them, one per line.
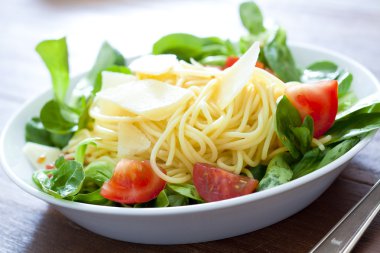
230	61
319	100
214	184
132	182
260	65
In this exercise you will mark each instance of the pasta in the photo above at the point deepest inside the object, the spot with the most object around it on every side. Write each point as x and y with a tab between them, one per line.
242	134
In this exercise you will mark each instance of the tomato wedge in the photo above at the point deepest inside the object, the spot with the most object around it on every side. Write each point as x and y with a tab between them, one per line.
214	184
132	182
319	100
231	60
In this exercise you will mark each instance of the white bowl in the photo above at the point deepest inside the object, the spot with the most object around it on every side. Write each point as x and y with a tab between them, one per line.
196	223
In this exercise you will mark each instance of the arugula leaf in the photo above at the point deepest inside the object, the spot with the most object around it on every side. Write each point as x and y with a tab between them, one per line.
293	133
65	181
251	17
187	190
53	119
55	56
277	173
185	46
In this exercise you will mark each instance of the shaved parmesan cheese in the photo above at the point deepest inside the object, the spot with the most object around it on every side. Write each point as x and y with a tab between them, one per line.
154	64
112	79
40	155
131	140
150	98
110	108
233	79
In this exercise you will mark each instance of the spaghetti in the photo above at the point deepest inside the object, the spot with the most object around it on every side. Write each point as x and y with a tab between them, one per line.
242	134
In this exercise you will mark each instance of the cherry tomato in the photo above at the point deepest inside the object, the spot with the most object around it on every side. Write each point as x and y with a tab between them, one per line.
215	184
230	61
132	182
319	100
260	65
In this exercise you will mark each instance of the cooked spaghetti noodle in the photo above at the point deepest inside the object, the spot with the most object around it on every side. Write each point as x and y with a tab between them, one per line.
242	134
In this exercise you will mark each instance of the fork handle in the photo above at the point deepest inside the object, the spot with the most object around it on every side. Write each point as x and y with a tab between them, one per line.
346	233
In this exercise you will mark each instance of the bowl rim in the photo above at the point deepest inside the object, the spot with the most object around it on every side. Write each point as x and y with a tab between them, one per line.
205	207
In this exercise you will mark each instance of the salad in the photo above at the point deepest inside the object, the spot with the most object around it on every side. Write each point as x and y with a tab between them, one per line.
197	120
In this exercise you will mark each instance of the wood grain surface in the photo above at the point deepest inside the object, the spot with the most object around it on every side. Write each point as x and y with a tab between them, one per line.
346	26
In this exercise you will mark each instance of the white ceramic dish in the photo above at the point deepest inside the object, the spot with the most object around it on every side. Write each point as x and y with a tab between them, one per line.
197	223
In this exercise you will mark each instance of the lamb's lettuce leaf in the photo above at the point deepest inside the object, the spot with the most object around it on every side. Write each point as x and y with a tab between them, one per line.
64	181
251	17
66	113
54	53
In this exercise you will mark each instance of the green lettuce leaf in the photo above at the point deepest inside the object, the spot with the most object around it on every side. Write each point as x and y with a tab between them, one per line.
54	53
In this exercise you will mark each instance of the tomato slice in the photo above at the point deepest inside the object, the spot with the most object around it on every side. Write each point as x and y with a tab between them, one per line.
319	100
132	182
214	184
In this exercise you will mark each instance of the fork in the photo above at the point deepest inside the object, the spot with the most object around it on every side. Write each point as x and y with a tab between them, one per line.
346	233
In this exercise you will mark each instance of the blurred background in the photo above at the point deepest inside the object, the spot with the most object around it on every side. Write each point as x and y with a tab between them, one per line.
133	25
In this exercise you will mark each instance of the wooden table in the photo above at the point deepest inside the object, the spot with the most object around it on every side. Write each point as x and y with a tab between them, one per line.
30	225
